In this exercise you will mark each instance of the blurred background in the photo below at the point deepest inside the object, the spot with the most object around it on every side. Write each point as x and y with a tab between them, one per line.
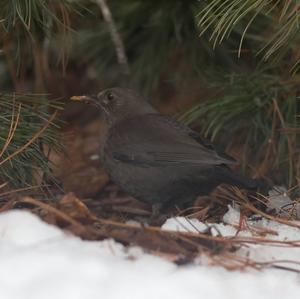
229	69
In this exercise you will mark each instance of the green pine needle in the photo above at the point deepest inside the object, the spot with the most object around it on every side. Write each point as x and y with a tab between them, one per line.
25	131
278	23
260	110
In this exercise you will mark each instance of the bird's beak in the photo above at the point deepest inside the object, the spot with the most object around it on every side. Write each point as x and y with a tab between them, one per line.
84	99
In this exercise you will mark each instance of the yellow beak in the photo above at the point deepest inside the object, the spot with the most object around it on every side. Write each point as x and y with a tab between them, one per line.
79	98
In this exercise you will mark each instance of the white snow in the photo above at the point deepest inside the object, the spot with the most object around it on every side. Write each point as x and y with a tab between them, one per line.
39	261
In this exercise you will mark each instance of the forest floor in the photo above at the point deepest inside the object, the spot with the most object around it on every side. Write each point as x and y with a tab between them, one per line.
74	248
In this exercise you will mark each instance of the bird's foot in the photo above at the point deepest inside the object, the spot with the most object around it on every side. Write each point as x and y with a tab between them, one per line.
157	218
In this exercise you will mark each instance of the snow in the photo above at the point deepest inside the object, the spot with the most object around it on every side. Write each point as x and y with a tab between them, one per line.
258	252
40	261
279	200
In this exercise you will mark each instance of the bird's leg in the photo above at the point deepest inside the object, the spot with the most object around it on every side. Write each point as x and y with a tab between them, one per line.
156	209
157	218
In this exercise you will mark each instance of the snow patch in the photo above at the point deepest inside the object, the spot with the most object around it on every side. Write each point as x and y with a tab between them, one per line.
39	261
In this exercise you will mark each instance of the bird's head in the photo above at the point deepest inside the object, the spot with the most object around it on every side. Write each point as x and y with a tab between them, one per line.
117	103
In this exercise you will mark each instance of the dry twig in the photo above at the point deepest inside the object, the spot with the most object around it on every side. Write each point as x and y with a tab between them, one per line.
34	137
116	37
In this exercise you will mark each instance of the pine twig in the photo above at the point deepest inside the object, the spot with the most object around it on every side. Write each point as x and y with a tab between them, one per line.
13	126
34	137
116	37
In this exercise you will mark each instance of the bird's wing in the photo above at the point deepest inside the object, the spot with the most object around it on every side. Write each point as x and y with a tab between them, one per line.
152	140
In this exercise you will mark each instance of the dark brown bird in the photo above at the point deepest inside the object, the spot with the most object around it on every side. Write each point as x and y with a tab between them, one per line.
155	158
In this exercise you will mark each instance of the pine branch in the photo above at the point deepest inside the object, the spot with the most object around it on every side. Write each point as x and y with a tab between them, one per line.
260	111
278	19
25	28
26	127
159	38
117	40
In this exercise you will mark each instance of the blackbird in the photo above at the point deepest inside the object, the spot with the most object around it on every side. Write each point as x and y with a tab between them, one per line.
155	158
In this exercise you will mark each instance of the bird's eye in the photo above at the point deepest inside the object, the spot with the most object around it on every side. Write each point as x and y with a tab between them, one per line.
110	96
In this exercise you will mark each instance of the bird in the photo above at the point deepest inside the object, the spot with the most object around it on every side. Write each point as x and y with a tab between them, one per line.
155	158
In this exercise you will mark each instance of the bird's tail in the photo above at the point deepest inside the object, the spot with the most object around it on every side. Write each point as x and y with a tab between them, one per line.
229	177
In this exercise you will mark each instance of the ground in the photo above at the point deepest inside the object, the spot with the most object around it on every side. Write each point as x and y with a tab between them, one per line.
40	261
